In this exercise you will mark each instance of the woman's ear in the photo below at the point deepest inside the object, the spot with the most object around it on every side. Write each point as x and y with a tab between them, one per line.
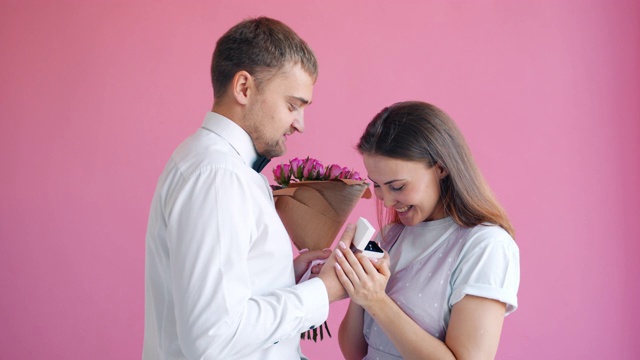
242	86
442	172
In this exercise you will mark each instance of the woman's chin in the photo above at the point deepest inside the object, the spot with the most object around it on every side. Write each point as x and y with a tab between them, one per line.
406	217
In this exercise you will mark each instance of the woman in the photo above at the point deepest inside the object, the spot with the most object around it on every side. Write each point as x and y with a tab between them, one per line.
451	272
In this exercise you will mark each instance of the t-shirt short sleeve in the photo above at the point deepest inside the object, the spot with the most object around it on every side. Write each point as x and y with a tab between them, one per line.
489	267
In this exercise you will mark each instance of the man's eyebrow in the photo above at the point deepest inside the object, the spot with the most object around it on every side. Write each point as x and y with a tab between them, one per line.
303	101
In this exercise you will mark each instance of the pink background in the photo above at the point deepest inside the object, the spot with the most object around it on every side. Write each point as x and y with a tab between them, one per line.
94	96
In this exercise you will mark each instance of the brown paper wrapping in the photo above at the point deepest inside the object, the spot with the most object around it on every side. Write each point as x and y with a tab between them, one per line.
313	212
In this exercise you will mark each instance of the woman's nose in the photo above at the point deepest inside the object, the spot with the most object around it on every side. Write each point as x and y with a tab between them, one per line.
387	200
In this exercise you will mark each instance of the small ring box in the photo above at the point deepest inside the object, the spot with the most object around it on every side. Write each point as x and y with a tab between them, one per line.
362	240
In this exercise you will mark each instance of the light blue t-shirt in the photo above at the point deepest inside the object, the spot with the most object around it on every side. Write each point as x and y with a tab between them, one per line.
434	265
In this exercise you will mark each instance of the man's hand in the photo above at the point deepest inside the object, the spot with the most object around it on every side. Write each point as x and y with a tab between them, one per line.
328	275
304	260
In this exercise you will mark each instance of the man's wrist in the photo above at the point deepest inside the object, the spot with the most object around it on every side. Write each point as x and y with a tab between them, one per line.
335	291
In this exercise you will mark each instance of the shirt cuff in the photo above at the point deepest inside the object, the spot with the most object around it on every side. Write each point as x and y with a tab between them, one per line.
316	302
490	292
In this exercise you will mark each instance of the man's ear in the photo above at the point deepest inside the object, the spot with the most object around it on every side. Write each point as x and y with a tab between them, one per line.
242	86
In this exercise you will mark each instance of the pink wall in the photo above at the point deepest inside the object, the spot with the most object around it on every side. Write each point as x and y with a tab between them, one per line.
94	97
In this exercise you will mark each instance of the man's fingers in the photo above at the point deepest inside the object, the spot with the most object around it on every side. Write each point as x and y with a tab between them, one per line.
316	269
310	255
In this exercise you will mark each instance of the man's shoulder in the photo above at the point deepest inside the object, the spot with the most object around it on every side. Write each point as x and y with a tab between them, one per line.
205	150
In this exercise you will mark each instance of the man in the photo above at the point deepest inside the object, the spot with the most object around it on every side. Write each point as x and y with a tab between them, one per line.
219	277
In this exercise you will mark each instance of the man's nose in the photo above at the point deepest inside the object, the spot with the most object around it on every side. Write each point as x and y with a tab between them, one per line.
298	123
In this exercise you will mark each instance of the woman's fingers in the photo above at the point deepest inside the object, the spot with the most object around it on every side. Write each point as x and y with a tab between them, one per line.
364	275
345	273
346	265
344	279
377	265
353	260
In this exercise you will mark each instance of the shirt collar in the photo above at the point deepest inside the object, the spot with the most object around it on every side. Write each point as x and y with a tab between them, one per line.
233	134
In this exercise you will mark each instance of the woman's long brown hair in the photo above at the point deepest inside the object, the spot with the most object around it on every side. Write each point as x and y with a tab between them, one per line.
418	131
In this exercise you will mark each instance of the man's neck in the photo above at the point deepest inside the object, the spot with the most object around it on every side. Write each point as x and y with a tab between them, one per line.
230	112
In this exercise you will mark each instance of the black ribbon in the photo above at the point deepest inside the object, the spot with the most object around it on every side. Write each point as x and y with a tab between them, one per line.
260	163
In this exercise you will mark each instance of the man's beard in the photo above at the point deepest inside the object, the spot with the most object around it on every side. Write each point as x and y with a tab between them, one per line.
265	147
269	150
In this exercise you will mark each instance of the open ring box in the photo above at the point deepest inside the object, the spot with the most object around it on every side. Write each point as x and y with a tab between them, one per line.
362	240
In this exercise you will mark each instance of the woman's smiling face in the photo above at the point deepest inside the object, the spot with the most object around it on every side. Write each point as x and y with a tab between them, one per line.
410	187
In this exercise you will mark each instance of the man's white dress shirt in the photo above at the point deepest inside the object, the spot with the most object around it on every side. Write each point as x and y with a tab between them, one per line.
219	266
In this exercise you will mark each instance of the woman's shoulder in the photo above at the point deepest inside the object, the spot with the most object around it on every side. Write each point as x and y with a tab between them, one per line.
389	235
489	235
490	231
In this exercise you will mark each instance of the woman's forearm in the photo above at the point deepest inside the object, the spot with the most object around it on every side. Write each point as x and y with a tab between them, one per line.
350	336
409	339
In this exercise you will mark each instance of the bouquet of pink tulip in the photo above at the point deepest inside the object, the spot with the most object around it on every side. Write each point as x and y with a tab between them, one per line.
310	170
314	202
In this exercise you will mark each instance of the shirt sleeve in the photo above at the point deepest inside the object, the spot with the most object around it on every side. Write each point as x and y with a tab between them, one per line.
210	236
489	267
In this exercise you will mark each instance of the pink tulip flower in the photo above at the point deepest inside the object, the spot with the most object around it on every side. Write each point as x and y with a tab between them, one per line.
313	169
297	167
356	176
345	174
282	174
333	172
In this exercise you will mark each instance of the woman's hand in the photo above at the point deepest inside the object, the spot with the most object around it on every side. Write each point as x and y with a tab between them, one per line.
304	260
364	279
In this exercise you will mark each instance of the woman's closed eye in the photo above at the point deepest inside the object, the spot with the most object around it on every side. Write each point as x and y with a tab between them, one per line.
391	187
